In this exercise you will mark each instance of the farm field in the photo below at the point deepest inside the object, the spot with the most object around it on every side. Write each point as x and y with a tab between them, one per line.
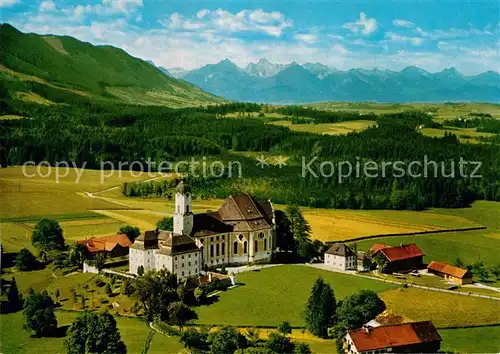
335	225
47	196
277	294
445	310
327	128
470	246
440	112
134	333
471	340
468	135
18	235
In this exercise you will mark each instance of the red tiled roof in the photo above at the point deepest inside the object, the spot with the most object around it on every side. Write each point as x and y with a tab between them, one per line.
449	269
394	336
105	243
377	246
398	253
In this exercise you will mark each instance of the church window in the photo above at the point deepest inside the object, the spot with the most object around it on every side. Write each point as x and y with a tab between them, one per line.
211	239
211	250
223	248
265	244
217	250
217	238
261	235
182	273
240	237
189	264
222	237
245	247
235	251
256	246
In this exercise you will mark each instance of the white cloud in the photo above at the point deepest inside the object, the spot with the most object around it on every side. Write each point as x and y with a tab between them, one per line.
202	13
305	37
47	5
403	23
272	23
123	6
106	8
454	33
364	24
8	3
416	41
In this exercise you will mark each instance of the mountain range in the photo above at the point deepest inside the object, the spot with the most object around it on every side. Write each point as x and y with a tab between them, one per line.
47	68
293	83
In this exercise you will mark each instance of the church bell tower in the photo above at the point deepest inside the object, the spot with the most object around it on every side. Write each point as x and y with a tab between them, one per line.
183	216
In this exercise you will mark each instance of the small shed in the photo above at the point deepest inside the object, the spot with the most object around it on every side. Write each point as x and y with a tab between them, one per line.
457	275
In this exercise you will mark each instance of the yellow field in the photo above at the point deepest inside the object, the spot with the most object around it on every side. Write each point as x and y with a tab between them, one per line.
334	225
444	309
327	128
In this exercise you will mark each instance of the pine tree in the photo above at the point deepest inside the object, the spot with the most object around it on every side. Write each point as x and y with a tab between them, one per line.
14	298
320	309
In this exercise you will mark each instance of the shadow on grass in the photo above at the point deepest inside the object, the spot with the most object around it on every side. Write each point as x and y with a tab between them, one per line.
60	332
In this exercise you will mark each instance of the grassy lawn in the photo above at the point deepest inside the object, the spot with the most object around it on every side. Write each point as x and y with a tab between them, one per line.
443	309
83	284
277	294
471	340
133	332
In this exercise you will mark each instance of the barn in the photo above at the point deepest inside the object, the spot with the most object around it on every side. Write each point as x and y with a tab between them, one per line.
400	258
457	275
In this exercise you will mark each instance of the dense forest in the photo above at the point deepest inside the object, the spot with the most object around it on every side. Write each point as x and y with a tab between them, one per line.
88	133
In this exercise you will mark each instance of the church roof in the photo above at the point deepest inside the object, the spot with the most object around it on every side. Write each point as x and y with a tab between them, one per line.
240	212
176	244
209	224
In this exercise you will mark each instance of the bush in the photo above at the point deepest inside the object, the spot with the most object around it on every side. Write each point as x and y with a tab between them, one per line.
25	260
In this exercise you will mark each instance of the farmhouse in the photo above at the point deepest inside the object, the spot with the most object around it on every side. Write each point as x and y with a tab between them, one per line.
112	246
242	231
364	262
456	275
340	257
416	337
400	258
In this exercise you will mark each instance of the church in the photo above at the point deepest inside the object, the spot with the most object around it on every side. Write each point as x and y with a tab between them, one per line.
242	231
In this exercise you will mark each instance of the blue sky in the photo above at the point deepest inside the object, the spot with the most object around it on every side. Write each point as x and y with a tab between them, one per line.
343	34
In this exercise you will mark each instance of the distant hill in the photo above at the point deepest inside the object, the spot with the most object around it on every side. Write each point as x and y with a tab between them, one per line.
293	83
60	66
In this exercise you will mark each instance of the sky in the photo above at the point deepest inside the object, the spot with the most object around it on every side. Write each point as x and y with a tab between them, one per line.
343	34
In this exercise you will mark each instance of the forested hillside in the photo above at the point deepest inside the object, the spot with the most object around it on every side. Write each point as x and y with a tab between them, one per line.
62	68
95	132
